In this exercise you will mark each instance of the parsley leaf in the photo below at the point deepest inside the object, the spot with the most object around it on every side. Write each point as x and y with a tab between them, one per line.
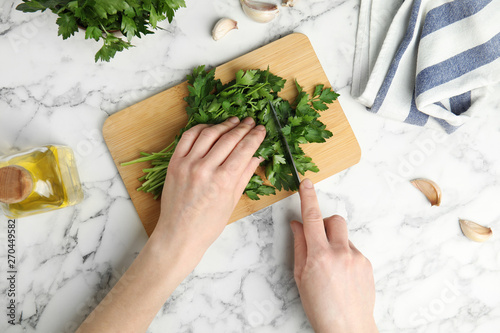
93	32
67	25
319	105
111	45
328	95
246	78
256	188
31	7
129	27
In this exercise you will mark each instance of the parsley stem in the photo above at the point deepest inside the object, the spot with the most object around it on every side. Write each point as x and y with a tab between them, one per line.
258	87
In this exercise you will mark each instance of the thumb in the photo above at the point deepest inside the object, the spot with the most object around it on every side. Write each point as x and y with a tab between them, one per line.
299	249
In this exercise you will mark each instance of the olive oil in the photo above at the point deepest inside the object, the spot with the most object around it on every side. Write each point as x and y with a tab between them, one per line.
39	180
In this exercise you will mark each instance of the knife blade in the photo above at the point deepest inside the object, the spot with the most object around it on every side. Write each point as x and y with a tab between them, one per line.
286	147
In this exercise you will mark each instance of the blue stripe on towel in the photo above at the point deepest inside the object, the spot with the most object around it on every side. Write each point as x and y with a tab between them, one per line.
416	117
458	65
461	103
451	12
446	126
382	93
441	105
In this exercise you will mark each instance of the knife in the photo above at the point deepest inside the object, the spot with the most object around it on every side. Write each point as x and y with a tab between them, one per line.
286	147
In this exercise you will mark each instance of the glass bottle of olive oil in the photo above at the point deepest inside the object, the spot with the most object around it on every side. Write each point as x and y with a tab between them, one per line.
39	180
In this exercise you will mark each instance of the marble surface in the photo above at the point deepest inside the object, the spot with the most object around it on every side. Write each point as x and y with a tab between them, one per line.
429	277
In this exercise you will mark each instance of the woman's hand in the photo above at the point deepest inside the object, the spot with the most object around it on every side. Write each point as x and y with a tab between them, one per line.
206	177
335	280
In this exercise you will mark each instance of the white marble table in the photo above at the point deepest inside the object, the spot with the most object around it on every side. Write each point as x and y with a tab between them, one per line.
429	277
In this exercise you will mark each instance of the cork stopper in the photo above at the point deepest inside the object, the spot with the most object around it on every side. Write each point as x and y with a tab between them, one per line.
16	184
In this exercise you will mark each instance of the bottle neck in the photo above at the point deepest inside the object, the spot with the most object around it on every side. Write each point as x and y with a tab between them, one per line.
16	184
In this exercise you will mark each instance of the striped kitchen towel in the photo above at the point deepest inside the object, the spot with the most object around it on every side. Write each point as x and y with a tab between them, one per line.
427	62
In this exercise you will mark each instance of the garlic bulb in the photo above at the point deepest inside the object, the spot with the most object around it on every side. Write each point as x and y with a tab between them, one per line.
222	27
262	12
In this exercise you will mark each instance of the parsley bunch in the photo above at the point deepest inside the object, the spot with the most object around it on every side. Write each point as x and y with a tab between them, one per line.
101	18
209	101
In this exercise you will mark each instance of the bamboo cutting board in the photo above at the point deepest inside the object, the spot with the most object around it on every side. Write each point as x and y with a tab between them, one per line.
152	124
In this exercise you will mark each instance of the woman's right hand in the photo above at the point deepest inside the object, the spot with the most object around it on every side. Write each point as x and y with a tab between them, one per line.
334	279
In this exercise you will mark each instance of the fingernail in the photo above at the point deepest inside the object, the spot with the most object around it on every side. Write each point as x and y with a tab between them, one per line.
307	183
234	120
248	121
260	128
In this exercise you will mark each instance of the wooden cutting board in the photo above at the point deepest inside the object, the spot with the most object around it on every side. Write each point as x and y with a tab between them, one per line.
152	124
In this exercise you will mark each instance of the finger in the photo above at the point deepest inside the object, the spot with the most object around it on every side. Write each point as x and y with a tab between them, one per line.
299	250
248	173
228	142
314	227
209	136
336	230
240	156
187	140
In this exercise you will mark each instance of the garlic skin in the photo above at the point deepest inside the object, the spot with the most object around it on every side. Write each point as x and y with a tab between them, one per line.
222	27
261	12
288	3
430	189
474	231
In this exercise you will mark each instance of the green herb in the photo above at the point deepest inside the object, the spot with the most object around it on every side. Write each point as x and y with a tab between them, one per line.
101	18
209	101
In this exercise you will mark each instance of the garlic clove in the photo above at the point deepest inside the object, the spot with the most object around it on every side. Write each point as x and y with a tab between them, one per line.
430	189
288	3
262	12
474	231
222	27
